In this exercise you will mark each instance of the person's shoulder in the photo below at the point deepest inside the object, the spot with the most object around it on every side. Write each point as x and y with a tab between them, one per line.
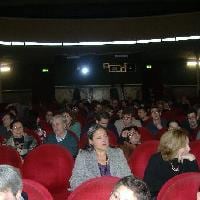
156	157
85	153
113	150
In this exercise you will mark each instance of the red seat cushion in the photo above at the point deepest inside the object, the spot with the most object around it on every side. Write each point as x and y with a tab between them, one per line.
51	165
35	190
181	187
9	156
97	189
195	149
140	157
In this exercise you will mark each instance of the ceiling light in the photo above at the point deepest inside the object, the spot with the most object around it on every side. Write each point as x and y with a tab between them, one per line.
192	64
42	44
5	43
92	43
122	42
17	43
173	39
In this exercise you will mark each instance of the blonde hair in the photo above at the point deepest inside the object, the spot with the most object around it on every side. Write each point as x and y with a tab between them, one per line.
170	142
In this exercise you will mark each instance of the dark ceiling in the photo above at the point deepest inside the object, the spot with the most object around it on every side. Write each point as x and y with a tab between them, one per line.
95	8
25	20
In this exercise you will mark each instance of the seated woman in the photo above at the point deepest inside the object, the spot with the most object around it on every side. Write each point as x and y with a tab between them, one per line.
22	142
173	158
98	159
71	123
129	139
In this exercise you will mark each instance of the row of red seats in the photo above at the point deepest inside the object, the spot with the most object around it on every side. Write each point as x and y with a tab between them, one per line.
48	164
51	165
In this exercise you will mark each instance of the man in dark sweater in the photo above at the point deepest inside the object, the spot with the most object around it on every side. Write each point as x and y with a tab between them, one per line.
61	136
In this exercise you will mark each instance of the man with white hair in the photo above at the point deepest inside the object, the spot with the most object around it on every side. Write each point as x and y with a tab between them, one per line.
10	184
61	136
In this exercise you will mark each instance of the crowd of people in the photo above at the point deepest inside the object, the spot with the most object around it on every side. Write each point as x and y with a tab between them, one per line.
101	136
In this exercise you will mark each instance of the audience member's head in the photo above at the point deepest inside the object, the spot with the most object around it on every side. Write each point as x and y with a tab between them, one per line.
155	113
174	144
131	135
7	119
173	125
59	125
142	113
10	183
70	117
127	116
102	119
17	129
130	188
192	118
98	138
49	116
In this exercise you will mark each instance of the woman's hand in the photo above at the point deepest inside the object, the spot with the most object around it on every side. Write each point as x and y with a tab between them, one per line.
187	156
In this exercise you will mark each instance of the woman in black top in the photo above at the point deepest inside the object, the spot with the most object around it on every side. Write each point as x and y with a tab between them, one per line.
173	158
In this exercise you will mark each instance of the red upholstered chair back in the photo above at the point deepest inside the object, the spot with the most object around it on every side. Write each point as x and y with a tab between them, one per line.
51	165
195	149
10	156
146	135
35	190
140	157
97	188
181	187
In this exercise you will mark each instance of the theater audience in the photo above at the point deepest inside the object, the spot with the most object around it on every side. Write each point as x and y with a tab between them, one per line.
173	125
130	188
191	124
126	121
5	130
129	139
98	159
11	184
143	115
173	158
61	136
71	122
20	140
156	124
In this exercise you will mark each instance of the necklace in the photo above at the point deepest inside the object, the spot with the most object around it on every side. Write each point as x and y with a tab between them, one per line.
175	169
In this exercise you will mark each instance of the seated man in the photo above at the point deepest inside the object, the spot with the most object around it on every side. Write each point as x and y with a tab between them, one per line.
192	125
126	121
61	136
130	188
11	184
157	123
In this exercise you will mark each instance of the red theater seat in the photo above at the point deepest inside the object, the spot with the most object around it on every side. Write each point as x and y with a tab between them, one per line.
140	157
35	190
195	149
146	135
97	189
51	165
181	187
10	156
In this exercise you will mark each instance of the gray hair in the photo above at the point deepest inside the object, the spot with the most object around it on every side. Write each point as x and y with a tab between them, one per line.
59	117
10	179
